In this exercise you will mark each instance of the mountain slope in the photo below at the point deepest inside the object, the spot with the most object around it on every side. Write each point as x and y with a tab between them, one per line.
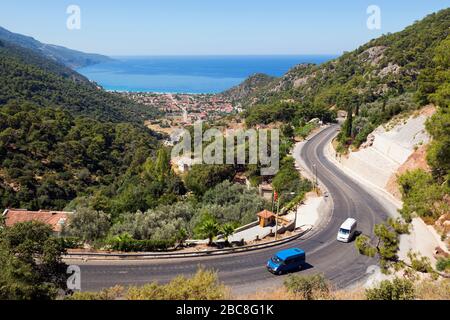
383	67
41	62
48	157
383	78
28	76
248	87
70	58
61	137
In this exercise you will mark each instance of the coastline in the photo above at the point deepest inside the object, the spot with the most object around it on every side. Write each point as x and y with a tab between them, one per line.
190	74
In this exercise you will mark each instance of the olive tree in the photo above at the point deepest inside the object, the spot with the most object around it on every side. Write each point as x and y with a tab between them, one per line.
88	224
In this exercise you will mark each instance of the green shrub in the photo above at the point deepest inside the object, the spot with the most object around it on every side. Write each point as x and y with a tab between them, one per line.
361	137
201	178
362	243
309	287
419	263
387	243
161	223
421	195
398	226
288	181
71	242
125	243
88	224
397	289
305	131
109	294
204	285
443	264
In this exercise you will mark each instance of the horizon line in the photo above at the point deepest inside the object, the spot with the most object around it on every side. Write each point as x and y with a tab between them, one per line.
226	55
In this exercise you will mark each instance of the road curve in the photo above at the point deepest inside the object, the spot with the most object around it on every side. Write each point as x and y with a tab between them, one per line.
245	272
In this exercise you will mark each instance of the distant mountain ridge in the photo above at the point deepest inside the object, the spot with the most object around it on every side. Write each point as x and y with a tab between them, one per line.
27	75
68	57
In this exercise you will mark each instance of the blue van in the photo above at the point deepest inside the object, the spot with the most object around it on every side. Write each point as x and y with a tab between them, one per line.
286	261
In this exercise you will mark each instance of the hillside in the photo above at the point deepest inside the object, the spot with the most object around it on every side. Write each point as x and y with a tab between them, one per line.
62	137
246	89
384	67
376	82
387	78
70	58
48	157
39	61
28	76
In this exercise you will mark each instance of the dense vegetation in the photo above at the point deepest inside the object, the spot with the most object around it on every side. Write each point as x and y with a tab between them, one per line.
387	244
248	87
225	206
204	285
317	287
427	194
373	83
30	263
286	112
312	287
397	289
288	183
48	157
65	144
27	76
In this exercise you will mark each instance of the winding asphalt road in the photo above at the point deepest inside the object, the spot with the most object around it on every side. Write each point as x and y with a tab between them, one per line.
245	273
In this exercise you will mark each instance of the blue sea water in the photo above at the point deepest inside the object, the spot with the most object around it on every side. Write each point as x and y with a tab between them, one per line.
189	74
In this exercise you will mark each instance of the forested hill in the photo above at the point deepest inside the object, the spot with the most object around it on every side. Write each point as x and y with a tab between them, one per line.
383	78
384	67
28	76
39	61
70	58
62	137
248	87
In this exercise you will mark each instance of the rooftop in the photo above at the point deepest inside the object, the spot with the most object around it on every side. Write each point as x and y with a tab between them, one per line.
266	214
348	223
56	219
283	255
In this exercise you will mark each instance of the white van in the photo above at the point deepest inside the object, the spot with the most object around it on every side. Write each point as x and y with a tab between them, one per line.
347	230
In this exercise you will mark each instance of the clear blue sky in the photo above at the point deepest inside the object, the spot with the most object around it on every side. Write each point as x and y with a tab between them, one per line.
158	27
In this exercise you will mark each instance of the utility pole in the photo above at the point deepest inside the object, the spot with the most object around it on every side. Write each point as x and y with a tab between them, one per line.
315	182
273	199
276	218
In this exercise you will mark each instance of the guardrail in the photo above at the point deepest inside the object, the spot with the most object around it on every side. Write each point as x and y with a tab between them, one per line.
174	255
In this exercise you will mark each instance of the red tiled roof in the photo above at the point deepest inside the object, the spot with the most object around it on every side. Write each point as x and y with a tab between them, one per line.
53	218
266	214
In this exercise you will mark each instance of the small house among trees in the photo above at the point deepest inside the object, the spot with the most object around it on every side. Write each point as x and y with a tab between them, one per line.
56	219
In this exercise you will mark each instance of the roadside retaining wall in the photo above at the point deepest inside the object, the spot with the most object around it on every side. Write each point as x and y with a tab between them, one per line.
391	148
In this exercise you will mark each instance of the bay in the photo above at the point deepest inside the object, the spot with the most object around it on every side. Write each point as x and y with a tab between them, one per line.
189	74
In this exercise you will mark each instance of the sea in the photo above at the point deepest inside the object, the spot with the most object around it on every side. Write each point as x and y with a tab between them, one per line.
189	74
